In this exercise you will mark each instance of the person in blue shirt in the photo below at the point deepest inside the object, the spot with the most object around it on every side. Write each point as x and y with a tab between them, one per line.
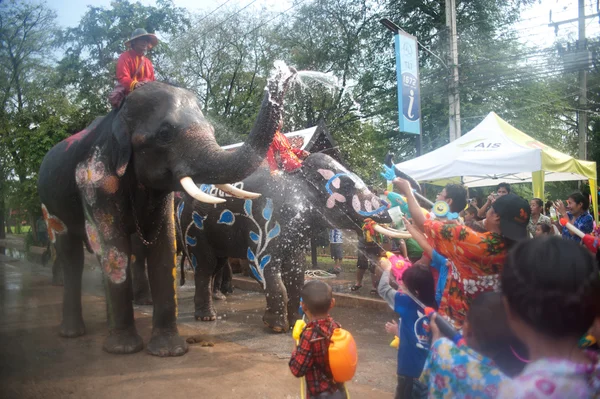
414	336
576	211
437	261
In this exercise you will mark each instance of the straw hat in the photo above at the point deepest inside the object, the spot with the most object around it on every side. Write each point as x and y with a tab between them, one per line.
140	32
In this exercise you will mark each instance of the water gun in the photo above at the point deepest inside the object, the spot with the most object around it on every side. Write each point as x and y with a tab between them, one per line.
444	326
296	332
396	199
588	240
399	265
586	341
441	209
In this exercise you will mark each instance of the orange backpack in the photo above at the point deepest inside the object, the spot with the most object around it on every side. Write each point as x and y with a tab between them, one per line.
342	354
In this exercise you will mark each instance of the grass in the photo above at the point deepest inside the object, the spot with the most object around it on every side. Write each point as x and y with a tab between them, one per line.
24	230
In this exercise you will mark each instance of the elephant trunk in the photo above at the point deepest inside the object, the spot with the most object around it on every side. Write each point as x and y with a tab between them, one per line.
220	166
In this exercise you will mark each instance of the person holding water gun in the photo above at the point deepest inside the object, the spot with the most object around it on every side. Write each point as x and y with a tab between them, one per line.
413	348
490	355
478	258
310	359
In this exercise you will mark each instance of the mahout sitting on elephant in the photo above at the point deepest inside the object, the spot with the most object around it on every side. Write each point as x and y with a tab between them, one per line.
117	178
271	231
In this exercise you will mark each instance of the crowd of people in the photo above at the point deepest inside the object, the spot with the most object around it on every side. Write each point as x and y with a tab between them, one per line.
516	286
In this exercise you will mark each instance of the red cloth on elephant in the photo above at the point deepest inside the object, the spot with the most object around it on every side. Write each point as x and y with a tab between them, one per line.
282	155
127	65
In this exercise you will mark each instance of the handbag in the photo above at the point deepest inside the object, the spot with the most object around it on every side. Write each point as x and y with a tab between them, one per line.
117	95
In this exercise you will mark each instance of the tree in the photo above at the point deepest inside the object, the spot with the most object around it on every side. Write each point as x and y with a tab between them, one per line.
27	39
92	48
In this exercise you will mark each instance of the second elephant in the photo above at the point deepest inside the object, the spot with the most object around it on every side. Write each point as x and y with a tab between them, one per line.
271	231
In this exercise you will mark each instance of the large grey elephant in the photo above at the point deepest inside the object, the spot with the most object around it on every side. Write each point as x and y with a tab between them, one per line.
273	230
117	178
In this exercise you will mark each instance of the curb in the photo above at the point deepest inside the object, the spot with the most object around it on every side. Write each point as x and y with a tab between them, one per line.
341	299
243	283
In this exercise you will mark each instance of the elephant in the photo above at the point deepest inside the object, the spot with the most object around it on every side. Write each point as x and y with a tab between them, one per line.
271	231
117	177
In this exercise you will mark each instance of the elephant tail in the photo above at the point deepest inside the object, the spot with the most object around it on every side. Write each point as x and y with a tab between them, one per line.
181	265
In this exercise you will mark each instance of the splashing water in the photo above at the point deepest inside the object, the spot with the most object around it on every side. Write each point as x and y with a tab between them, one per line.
331	82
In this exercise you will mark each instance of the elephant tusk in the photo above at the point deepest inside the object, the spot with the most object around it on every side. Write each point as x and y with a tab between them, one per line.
190	187
236	192
392	232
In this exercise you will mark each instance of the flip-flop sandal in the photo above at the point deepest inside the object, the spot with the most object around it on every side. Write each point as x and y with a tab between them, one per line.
373	292
355	287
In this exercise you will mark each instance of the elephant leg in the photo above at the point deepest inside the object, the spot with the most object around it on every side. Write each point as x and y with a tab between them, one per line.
141	285
123	337
204	278
275	316
57	268
162	272
69	254
218	280
293	278
227	279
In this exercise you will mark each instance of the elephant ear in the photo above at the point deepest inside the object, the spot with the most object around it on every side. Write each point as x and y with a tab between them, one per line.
121	145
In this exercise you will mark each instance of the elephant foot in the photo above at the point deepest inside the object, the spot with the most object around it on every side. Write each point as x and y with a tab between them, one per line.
277	322
219	296
122	342
72	329
143	300
166	343
205	315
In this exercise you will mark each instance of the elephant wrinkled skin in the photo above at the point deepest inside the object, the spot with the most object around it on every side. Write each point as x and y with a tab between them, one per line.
117	178
272	231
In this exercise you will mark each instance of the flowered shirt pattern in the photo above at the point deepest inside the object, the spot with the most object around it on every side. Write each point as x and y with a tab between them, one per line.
542	219
460	372
554	379
476	262
584	222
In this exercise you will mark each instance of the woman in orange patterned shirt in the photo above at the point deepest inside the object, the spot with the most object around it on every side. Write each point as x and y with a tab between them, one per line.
476	258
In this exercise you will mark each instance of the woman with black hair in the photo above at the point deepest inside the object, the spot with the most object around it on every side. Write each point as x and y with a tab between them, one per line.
551	291
492	354
577	213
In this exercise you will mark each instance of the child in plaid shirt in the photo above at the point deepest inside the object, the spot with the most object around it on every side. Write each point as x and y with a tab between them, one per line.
310	359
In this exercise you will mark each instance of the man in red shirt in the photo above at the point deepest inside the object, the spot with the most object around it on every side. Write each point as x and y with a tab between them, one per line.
133	68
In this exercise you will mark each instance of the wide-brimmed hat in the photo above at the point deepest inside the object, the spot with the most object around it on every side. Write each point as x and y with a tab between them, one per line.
514	213
140	32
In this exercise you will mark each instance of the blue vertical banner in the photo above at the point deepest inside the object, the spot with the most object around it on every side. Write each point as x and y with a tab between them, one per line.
409	90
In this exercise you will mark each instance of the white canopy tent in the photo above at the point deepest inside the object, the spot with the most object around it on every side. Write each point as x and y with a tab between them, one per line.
494	152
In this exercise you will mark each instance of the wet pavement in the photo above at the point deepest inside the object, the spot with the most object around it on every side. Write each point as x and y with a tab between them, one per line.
246	360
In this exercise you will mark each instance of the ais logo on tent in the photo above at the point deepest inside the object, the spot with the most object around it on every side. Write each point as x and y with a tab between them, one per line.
480	145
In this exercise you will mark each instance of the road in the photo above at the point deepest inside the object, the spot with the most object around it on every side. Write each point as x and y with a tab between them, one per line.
246	360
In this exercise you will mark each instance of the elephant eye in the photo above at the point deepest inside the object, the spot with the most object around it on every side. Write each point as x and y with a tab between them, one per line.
164	134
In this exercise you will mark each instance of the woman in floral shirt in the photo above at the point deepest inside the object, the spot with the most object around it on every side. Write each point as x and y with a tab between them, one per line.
477	258
476	370
576	211
551	289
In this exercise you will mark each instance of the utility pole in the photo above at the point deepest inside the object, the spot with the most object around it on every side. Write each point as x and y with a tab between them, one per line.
453	94
579	60
582	121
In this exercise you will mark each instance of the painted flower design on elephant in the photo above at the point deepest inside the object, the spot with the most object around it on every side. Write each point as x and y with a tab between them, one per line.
89	175
105	222
93	237
372	206
54	225
114	264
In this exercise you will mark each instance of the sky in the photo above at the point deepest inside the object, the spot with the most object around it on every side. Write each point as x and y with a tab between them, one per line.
70	11
533	27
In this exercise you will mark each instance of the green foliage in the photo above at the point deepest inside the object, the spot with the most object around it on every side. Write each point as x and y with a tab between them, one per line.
93	47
